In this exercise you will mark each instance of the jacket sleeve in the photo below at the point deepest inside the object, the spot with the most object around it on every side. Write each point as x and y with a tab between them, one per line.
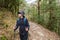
27	24
16	25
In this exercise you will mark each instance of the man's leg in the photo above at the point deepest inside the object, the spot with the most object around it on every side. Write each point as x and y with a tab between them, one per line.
21	37
25	37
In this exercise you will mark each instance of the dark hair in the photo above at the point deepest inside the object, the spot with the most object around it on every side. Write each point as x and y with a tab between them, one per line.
19	13
24	16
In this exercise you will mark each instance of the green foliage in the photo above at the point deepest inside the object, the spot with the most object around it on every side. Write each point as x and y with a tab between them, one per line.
49	15
3	37
5	26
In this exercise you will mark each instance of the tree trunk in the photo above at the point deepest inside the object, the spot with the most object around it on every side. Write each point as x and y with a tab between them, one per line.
39	11
39	7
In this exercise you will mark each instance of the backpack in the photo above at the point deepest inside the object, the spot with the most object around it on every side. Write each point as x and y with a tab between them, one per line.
24	20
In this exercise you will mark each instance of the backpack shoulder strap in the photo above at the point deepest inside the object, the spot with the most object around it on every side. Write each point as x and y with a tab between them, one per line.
25	20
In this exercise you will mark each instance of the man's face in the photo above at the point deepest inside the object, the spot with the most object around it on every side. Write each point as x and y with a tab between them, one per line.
19	15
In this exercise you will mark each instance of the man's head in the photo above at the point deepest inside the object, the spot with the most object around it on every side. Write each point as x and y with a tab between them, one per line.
21	14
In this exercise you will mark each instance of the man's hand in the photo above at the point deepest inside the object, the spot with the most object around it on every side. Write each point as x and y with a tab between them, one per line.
14	29
26	28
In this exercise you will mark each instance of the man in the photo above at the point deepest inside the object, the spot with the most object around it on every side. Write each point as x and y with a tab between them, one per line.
23	25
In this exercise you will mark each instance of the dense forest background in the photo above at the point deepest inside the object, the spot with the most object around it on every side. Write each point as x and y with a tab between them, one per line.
47	13
44	12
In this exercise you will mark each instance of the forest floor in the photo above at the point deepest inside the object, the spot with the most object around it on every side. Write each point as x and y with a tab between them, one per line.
36	32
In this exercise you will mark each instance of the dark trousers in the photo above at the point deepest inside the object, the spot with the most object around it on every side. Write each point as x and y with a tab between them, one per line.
24	37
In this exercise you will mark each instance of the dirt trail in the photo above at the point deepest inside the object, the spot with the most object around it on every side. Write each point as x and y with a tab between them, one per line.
37	32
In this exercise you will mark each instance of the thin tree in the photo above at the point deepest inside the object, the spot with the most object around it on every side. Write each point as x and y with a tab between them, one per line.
39	9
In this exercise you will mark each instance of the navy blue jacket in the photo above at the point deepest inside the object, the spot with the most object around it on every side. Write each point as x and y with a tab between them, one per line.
22	23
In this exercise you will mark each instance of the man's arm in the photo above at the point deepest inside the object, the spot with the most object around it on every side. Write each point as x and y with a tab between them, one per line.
27	25
16	26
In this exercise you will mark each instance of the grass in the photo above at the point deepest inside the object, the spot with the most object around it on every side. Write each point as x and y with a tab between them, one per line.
7	23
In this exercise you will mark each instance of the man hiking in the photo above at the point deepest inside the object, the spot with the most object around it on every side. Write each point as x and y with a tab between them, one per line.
23	25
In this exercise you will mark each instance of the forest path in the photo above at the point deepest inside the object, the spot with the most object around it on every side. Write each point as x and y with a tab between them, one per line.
38	32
